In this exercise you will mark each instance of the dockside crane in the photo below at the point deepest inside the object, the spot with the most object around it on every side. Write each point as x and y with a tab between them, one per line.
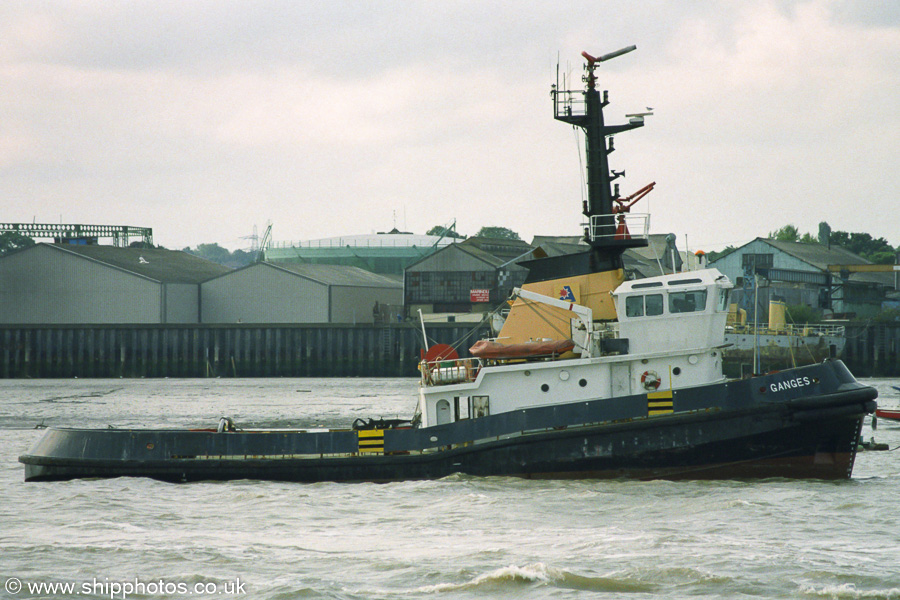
263	244
844	272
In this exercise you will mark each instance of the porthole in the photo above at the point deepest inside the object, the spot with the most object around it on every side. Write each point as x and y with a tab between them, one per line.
564	375
676	371
545	388
582	382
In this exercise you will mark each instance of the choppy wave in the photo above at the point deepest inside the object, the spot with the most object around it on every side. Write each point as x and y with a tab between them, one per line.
539	574
850	591
459	537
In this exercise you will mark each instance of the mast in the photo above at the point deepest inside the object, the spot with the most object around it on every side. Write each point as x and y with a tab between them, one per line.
584	277
585	109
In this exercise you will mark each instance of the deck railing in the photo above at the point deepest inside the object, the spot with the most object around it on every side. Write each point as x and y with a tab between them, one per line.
803	330
445	372
621	226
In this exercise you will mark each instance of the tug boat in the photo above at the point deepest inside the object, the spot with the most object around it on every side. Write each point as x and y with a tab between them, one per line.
591	376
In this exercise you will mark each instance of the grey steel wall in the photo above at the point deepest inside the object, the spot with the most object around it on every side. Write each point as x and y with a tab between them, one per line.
262	294
220	350
354	304
43	285
182	303
444	280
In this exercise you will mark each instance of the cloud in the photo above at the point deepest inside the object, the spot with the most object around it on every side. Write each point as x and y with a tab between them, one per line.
785	116
329	118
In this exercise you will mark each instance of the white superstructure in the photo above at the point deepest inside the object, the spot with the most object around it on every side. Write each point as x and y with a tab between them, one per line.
669	335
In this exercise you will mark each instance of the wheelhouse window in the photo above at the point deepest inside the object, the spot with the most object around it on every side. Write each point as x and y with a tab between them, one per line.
723	300
634	306
650	305
685	302
654	305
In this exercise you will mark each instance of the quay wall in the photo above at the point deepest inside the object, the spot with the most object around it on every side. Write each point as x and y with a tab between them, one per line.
311	350
873	349
239	350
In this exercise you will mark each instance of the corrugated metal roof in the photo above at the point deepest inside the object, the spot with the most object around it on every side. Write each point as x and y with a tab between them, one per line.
655	250
164	266
374	240
485	255
818	255
822	256
498	247
636	263
569	240
562	248
339	275
509	260
481	255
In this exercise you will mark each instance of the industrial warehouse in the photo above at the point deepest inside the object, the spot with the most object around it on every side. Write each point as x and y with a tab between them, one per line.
76	307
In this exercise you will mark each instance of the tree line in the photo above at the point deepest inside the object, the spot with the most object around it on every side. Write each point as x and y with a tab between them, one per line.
875	250
11	241
495	232
240	258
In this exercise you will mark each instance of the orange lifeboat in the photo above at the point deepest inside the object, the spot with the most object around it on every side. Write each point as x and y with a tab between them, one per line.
487	349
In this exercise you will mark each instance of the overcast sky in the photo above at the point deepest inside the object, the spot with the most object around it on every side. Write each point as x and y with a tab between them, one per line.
202	119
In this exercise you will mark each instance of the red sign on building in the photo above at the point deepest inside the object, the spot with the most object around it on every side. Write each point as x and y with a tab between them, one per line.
480	295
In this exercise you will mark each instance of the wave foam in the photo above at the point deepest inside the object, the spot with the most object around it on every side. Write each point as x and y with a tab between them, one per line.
850	591
537	574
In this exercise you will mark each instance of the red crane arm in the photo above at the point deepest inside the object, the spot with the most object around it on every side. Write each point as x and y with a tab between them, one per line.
627	202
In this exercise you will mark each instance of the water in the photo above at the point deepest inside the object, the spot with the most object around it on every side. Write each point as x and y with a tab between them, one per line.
458	537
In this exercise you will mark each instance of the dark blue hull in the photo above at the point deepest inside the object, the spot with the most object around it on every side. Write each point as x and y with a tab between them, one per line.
802	423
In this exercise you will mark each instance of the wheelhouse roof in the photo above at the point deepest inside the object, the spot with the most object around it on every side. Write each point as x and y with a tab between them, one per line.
675	281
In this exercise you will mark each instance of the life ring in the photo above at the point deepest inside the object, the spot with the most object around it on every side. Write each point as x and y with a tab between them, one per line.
650	380
226	425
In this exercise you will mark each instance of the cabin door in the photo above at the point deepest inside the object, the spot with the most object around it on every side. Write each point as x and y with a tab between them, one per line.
443	412
620	379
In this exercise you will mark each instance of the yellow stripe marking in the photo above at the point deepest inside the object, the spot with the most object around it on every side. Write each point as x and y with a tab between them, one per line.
660	403
371	441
